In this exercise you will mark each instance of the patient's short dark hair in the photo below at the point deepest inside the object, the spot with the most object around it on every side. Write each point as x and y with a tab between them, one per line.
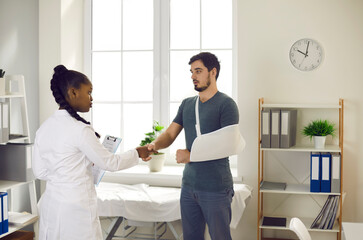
209	60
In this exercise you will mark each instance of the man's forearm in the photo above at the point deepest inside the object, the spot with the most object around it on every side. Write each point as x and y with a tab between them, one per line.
163	141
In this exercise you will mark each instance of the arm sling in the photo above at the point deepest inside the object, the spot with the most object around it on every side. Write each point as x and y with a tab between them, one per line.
218	144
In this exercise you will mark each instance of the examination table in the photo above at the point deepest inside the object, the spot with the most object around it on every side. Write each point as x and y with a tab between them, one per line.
148	204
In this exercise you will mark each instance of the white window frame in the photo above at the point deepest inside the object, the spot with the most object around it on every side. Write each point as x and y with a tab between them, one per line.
161	85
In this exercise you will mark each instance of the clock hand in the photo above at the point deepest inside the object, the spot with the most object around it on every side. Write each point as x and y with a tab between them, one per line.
302	61
307	47
302	53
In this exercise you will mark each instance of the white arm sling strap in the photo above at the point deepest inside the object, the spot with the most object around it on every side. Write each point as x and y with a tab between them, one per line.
221	143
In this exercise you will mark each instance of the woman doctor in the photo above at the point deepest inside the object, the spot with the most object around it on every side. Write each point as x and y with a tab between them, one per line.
65	149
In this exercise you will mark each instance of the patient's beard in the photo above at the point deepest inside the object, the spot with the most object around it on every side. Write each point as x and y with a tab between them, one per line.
201	89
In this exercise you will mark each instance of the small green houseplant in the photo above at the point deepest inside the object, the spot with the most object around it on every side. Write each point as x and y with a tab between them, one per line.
319	129
157	159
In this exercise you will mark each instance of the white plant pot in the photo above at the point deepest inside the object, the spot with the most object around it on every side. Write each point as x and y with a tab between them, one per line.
319	141
157	162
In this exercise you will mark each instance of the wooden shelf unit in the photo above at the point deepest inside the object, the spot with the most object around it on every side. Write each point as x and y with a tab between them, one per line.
299	189
17	101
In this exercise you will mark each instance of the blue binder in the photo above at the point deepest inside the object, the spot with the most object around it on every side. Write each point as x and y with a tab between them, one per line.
1	213
4	212
325	172
315	172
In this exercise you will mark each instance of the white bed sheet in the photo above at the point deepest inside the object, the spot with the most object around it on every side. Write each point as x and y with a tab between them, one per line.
145	203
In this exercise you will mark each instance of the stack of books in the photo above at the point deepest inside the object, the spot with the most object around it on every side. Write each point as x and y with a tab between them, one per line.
326	217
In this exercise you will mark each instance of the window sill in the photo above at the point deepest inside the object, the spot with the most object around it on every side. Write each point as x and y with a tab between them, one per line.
169	176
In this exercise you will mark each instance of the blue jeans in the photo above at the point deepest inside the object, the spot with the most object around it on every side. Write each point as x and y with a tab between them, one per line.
199	208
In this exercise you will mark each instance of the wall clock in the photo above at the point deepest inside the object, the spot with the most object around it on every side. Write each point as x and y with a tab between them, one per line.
306	54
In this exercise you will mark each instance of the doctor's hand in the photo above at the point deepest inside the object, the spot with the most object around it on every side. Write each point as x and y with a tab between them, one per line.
144	153
182	156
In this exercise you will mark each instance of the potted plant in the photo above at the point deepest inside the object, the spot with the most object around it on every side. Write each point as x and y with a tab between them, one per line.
157	159
318	130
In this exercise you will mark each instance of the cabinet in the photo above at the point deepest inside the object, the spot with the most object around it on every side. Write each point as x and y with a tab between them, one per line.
292	166
19	133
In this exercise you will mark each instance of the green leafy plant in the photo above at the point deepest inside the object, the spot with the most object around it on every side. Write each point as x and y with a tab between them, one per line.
151	136
319	128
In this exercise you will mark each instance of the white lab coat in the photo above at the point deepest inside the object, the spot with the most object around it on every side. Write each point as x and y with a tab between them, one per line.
64	151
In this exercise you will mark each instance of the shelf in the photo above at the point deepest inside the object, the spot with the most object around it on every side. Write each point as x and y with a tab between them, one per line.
18	220
15	138
5	185
21	220
307	222
297	189
302	106
12	96
288	159
305	148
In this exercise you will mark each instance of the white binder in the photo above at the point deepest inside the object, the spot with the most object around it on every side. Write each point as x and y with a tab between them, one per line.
5	122
335	174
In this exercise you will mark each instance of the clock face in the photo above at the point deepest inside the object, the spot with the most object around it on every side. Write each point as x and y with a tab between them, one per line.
306	54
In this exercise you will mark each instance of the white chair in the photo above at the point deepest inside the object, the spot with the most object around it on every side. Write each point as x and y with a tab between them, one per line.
297	226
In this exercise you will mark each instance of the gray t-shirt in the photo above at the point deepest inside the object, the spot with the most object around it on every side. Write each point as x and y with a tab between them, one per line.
218	112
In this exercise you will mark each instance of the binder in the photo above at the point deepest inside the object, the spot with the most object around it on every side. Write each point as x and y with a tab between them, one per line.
5	121
288	128
325	172
1	213
335	173
275	128
315	172
16	160
1	122
266	128
4	212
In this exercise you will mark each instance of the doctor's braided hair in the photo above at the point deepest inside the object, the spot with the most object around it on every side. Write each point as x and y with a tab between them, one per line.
63	79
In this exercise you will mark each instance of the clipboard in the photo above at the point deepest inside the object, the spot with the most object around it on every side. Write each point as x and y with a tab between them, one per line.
111	143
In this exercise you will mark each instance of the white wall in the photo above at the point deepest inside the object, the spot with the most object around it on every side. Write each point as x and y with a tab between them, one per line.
19	49
61	42
19	55
267	29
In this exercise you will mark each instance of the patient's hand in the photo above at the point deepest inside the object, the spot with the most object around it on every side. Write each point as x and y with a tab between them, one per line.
182	156
144	153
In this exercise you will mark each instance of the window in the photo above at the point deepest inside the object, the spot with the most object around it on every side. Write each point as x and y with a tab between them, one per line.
137	54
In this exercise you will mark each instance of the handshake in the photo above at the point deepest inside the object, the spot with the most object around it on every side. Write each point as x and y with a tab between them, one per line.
144	152
182	155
